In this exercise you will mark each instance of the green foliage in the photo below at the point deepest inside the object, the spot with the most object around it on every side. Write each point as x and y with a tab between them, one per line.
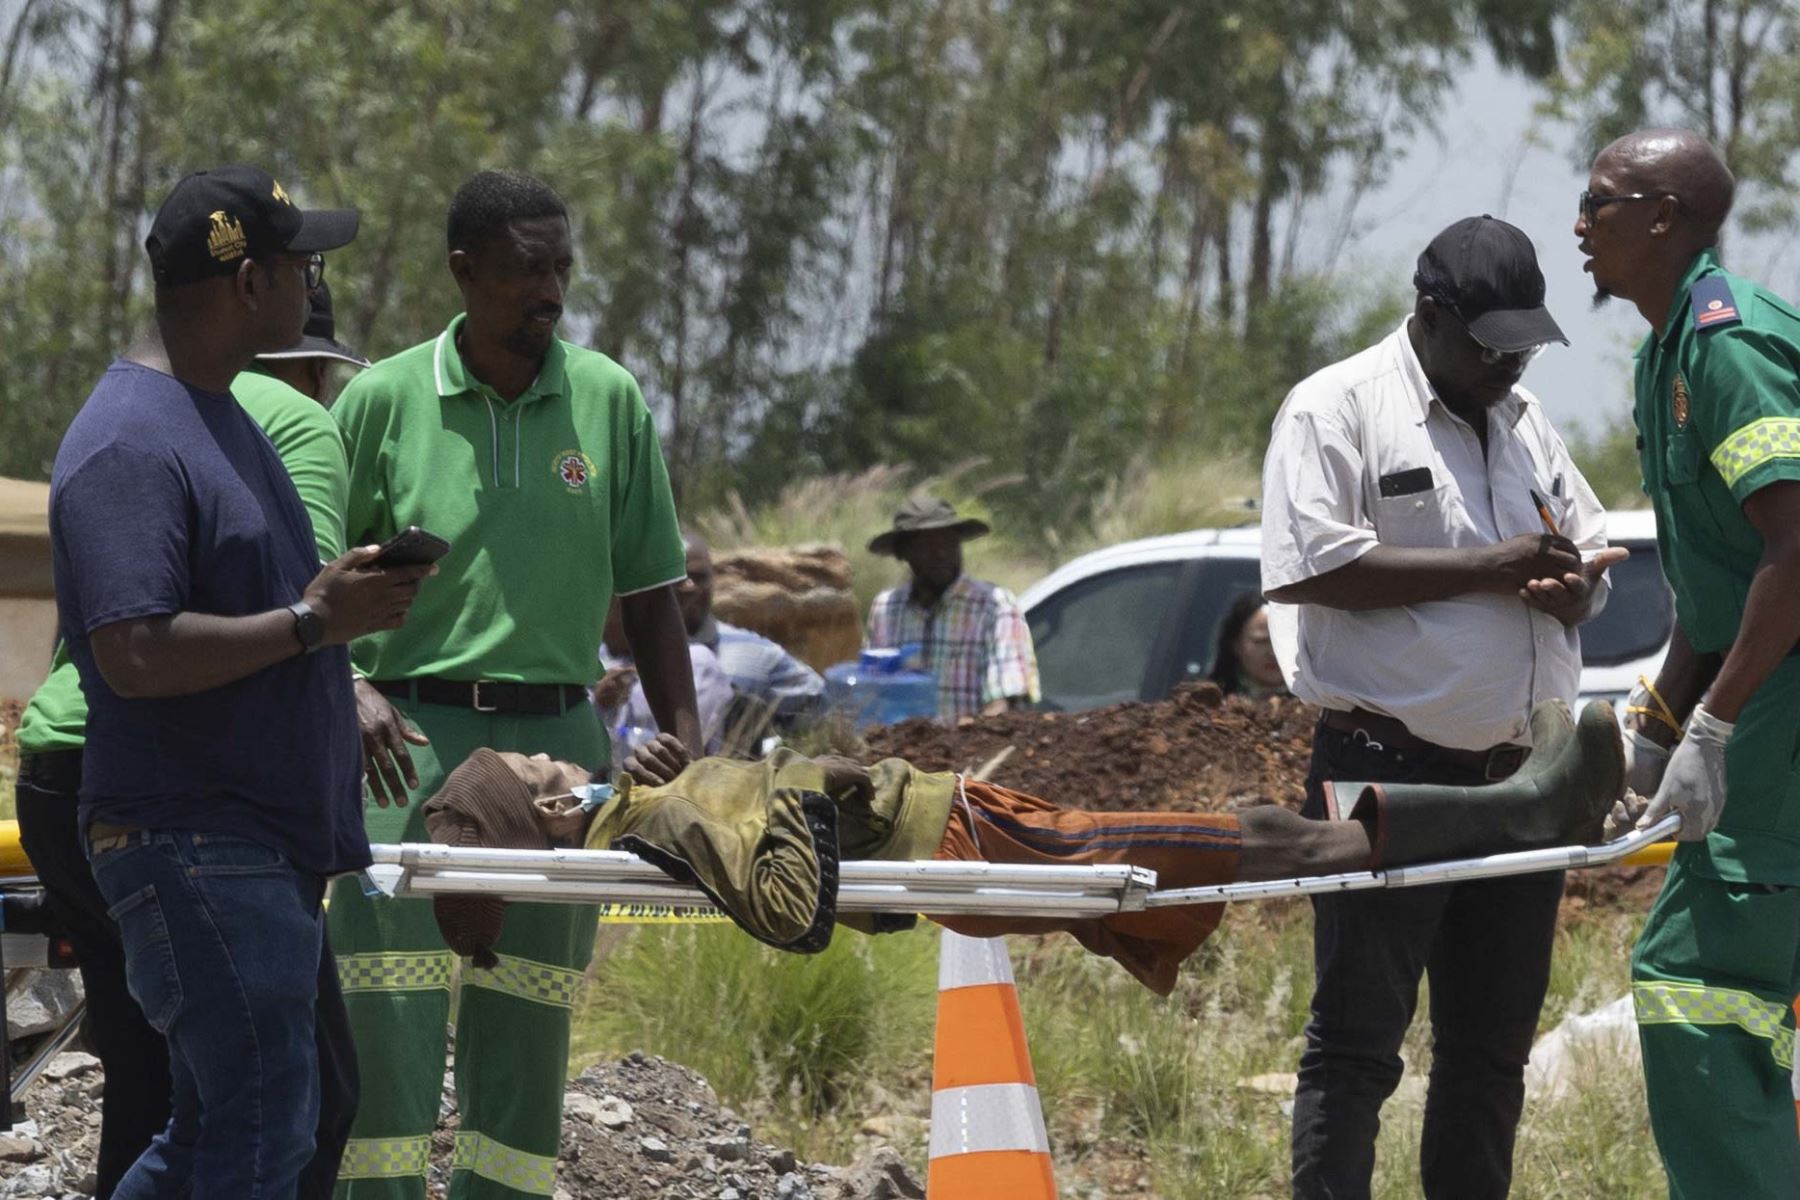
1609	460
826	234
1731	72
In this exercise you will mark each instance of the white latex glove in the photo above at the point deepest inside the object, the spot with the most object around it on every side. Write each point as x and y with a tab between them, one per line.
1645	762
1694	783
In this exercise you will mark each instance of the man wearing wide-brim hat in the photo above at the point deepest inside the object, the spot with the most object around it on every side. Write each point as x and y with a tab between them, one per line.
972	634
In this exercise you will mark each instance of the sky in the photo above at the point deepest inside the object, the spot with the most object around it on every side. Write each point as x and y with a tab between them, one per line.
1492	153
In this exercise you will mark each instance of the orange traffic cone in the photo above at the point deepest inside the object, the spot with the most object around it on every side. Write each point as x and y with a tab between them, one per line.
987	1128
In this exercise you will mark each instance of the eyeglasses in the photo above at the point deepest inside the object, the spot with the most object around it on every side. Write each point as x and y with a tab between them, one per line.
1490	356
312	267
1592	203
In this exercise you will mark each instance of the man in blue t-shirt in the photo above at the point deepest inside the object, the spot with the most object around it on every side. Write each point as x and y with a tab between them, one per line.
221	774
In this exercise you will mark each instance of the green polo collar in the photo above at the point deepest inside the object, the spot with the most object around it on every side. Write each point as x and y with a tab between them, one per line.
454	379
1706	260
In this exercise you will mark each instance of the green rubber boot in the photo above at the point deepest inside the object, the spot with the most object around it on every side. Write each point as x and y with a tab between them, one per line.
1560	797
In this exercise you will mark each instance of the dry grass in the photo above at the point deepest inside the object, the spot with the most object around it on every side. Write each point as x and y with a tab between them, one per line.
1134	1087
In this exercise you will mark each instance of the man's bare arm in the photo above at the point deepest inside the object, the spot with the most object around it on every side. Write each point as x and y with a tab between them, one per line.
183	653
659	648
1392	576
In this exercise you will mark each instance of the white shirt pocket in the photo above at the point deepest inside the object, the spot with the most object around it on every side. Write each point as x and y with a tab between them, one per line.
1422	519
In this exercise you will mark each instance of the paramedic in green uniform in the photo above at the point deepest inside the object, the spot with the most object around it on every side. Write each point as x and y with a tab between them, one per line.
1717	734
52	731
539	461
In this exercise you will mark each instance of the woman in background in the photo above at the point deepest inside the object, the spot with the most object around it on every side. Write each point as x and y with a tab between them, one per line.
1243	660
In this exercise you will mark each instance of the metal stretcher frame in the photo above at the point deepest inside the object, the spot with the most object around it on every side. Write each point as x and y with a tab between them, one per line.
928	888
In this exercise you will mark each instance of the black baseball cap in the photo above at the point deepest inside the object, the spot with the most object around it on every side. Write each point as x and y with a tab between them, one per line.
1486	272
213	220
319	338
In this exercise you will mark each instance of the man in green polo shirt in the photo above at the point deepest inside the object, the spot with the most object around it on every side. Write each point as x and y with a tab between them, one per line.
539	461
52	731
1716	974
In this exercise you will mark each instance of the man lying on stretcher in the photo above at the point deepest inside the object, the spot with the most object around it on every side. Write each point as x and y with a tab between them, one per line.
764	839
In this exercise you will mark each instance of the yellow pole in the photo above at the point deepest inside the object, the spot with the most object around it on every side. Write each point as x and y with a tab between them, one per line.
12	855
1657	854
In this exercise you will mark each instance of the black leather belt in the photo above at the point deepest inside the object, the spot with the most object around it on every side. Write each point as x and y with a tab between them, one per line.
487	696
1496	762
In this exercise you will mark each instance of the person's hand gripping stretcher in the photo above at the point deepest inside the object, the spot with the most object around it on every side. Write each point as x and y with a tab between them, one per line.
763	839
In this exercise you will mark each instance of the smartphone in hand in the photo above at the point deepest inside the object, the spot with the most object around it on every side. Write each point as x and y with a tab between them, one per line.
412	547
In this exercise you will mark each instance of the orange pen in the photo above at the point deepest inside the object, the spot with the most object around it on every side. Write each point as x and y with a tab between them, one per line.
1544	514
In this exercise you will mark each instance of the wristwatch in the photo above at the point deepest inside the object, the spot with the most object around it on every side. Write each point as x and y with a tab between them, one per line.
307	626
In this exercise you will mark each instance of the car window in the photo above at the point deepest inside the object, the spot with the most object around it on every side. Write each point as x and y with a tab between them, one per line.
1220	581
1639	615
1094	637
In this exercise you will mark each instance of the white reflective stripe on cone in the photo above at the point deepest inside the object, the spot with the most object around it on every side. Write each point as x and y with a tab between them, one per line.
990	1116
972	962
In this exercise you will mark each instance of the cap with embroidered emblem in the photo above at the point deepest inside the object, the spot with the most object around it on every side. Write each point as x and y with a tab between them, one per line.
213	220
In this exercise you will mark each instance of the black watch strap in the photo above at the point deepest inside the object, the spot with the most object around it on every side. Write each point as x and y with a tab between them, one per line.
307	626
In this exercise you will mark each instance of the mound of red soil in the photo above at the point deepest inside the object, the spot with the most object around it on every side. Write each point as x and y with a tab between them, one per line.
1195	752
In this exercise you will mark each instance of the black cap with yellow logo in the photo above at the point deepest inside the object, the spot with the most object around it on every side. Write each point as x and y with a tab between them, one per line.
213	220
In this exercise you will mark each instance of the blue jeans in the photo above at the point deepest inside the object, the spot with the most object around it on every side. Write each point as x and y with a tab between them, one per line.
223	940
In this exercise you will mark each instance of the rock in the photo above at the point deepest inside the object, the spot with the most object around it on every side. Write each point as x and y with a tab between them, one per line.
656	1150
19	1148
580	1106
42	1004
881	1175
70	1064
731	1193
614	1113
728	1149
780	1161
792	1187
35	1182
799	596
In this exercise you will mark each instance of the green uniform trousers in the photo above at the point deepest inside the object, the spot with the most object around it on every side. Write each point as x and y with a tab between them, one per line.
1714	980
512	1022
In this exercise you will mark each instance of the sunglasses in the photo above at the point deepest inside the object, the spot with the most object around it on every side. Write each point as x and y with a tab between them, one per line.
1592	202
1490	356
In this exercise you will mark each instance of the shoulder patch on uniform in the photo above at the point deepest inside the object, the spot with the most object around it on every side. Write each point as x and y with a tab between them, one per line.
1711	303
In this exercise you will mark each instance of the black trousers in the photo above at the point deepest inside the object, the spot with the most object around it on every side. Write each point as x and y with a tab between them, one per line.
134	1057
1484	945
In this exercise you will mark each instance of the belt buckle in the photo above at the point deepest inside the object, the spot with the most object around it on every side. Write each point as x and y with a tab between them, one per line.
475	697
1502	762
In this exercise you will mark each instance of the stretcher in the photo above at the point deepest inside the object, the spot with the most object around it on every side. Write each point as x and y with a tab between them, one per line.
412	869
927	888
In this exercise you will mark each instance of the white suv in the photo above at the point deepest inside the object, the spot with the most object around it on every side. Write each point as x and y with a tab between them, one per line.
1131	621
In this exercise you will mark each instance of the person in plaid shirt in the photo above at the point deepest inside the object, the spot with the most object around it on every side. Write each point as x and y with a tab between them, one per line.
973	633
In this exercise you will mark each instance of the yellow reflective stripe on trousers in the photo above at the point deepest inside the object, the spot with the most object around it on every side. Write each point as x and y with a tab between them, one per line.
522	1172
385	1158
538	982
1760	441
1659	1003
423	971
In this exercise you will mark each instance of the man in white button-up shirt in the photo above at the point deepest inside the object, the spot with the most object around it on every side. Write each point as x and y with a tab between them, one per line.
1438	548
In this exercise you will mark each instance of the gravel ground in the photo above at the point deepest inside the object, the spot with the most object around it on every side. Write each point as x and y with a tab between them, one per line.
641	1128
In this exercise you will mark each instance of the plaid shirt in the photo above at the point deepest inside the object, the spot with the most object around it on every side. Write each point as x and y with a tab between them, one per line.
974	638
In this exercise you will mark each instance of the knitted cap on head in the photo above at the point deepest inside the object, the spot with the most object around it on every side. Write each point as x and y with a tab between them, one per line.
481	803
